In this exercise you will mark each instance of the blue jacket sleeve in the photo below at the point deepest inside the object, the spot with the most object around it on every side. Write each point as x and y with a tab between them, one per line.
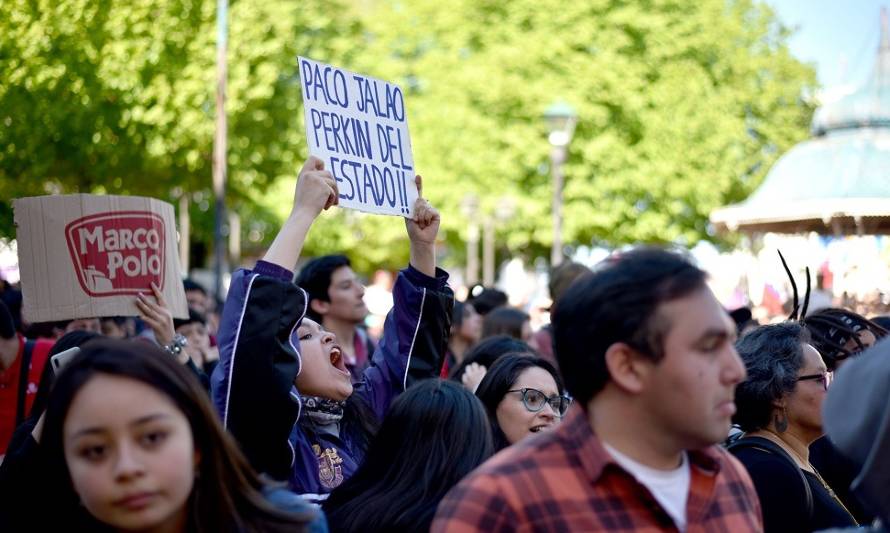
253	382
415	338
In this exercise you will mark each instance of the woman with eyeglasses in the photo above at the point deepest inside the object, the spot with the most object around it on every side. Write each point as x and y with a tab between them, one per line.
840	335
523	395
779	408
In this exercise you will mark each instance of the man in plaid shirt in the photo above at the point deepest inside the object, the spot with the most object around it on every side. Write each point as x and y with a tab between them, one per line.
647	352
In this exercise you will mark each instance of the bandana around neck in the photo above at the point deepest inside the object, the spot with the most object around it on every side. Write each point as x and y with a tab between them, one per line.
323	411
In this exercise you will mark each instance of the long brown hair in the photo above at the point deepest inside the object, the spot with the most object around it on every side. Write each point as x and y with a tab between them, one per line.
227	495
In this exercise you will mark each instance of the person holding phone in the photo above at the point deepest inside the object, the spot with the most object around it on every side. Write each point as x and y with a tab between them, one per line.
131	442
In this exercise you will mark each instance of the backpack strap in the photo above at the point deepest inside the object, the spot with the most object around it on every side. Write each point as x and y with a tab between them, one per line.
23	382
772	448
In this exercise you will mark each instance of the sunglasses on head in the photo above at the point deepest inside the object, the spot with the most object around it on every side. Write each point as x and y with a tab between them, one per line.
824	377
534	400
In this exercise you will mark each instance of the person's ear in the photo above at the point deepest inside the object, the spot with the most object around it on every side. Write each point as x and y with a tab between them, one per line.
627	367
320	306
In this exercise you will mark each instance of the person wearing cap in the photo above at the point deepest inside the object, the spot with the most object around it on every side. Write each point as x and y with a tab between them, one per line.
862	434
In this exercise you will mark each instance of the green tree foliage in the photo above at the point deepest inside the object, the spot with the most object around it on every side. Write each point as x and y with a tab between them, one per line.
683	107
119	96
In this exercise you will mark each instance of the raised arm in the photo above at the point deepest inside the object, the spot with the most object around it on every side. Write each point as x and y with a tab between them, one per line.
253	381
316	190
422	232
415	334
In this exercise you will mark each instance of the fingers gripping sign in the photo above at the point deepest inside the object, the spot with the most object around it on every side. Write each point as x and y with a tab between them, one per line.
424	226
422	229
316	188
358	126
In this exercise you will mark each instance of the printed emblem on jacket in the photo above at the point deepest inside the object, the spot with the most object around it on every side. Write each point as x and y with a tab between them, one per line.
330	473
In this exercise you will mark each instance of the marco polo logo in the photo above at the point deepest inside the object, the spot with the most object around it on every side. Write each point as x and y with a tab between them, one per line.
116	253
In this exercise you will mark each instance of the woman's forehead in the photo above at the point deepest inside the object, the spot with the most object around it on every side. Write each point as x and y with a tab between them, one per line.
310	324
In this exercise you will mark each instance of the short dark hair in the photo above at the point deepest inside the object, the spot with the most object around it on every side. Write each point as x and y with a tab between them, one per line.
457	314
189	284
226	492
773	356
7	324
434	434
194	317
315	279
618	303
500	378
562	277
489	350
504	321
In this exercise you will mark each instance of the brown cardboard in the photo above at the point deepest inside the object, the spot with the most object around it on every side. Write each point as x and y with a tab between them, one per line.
83	255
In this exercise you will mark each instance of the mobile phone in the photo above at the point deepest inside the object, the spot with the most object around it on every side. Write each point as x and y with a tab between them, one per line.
62	358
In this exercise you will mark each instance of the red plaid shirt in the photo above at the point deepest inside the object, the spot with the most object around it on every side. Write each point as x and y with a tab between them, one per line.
566	481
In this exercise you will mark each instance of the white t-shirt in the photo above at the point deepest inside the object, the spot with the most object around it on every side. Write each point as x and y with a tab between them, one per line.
670	488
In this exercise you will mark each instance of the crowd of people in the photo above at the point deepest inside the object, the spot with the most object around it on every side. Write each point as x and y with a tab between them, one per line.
643	406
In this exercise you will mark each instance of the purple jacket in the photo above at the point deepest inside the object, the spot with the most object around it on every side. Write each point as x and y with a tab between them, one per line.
253	385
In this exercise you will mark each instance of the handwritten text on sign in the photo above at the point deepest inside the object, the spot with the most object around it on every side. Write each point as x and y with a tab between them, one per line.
357	126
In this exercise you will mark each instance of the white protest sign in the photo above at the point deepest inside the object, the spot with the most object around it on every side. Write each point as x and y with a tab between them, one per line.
357	126
84	256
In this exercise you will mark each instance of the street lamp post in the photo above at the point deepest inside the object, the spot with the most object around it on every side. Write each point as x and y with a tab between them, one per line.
561	119
470	206
220	140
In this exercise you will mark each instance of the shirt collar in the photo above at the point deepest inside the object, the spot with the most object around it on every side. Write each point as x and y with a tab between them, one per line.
582	442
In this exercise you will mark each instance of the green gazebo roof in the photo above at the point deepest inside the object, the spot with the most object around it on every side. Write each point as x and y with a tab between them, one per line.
838	181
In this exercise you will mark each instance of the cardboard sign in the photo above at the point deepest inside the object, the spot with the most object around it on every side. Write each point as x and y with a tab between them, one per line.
357	126
84	256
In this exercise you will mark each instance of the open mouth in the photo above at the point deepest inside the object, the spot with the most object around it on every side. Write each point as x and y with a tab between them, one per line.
539	428
337	359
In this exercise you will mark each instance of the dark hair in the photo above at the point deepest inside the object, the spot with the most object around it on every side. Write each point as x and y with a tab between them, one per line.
882	320
194	317
832	327
773	356
618	303
227	491
189	284
7	324
487	299
434	434
315	279
500	378
457	314
488	351
76	338
504	321
562	277
118	320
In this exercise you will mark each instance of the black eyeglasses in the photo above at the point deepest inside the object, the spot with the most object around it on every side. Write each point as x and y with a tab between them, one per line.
824	377
534	400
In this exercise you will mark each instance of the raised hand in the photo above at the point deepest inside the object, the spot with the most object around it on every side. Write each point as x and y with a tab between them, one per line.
472	376
422	231
156	314
316	188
